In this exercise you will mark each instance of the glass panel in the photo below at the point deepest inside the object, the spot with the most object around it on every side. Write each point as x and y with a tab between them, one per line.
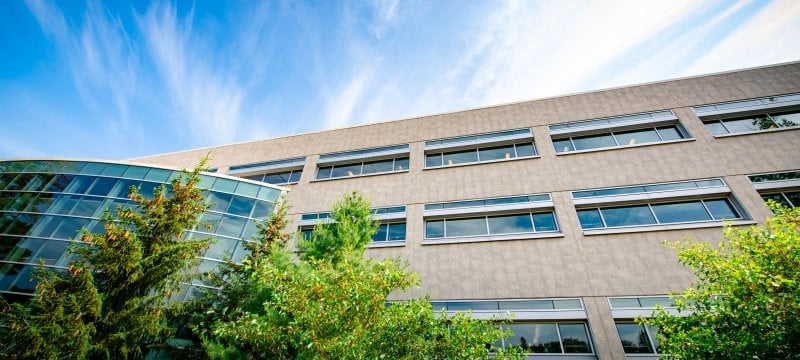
672	186
653	331
158	175
295	177
779	198
575	338
624	303
69	228
563	145
240	206
681	212
590	219
460	157
231	226
219	201
593	141
509	224
102	186
497	153
716	128
721	209
269	194
651	302
746	125
60	183
24	281
135	172
23	248
628	216
545	222
397	231
250	230
247	189
64	204
225	185
526	305
278	178
434	229
209	222
114	170
794	197
466	227
525	150
346	170
122	188
38	181
567	304
380	234
634	137
221	248
709	183
634	339
93	168
787	119
506	200
670	133
543	338
618	191
87	206
401	164
471	305
80	184
377	167
51	251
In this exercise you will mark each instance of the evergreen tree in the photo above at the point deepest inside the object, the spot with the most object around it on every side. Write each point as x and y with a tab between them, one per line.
111	301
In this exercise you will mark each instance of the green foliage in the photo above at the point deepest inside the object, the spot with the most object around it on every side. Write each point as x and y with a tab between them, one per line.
331	303
746	302
110	302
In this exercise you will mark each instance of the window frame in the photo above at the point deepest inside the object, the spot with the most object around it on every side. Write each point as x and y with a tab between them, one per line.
387	215
719	113
477	142
395	153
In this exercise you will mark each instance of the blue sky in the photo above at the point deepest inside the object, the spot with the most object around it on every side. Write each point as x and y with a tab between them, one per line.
115	80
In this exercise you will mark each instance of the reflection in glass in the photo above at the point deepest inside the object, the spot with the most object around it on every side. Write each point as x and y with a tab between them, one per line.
497	153
593	141
721	209
628	216
574	338
397	231
634	338
590	219
434	229
510	224
466	227
460	157
634	137
681	212
545	222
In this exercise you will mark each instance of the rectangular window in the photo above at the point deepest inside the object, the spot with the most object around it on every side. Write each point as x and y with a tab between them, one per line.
658	213
781	187
473	149
276	172
636	338
619	131
549	337
392	227
505	224
752	115
384	160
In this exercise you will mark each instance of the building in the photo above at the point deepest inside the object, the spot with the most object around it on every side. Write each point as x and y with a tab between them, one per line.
553	209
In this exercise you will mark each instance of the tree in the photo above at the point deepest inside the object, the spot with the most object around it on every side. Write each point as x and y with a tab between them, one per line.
331	302
110	302
746	301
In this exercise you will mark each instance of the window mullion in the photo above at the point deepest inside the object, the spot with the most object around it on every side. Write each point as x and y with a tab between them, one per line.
789	201
725	126
707	209
660	138
444	228
650	337
478	154
516	155
533	225
650	207
602	218
486	221
615	138
560	341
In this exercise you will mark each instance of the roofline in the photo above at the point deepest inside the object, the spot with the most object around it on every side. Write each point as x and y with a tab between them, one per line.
479	108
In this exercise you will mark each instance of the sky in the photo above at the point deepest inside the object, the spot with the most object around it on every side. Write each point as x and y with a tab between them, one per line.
117	80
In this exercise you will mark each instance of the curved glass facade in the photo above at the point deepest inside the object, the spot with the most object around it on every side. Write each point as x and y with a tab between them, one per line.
45	203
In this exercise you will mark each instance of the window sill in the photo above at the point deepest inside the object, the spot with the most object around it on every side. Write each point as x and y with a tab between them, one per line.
470	239
386	244
360	176
623	147
665	227
721	136
481	162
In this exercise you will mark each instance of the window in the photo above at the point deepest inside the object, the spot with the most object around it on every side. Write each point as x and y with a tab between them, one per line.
493	218
548	337
392	227
383	160
277	172
473	149
691	201
752	115
781	187
636	338
620	131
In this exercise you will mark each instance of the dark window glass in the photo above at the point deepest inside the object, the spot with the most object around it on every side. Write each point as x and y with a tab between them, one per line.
39	181
147	189
545	222
401	164
628	216
670	133
563	145
681	212
574	338
378	166
220	248
19	182
59	183
261	209
259	177
466	227
634	339
794	197
525	150
64	204
397	231
380	234
593	141
51	251
434	229
240	206
624	303
123	188
69	228
721	209
460	157
634	137
509	224
136	172
590	219
102	186
87	206
497	153
24	282
45	226
324	172
41	204
278	178
433	160
543	339
23	248
295	177
80	184
346	170
219	201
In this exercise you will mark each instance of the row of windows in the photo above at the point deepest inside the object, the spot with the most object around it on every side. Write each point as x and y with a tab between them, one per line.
480	154
363	168
747	124
278	178
491	225
620	138
659	213
548	337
